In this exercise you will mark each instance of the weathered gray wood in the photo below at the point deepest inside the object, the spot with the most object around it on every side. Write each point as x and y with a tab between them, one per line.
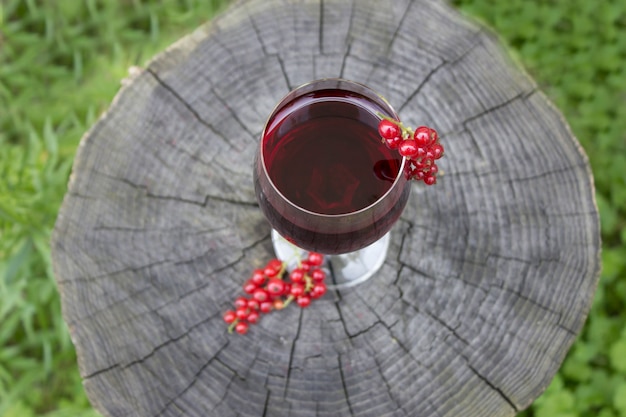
490	275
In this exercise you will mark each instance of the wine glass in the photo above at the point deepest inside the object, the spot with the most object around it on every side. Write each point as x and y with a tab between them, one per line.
326	182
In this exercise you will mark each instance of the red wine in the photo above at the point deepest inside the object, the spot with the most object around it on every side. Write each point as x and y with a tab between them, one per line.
333	175
327	157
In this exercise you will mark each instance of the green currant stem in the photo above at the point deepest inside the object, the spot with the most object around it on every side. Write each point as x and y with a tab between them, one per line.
232	326
287	301
283	268
309	283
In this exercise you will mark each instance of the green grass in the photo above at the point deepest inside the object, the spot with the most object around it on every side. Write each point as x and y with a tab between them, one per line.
61	63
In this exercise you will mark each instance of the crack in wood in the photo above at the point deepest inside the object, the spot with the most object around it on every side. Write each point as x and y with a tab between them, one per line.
344	385
535	303
257	32
154	351
76	194
234	371
505	397
348	40
283	70
409	354
421	85
113	305
379	320
451	330
99	372
520	96
365	330
394	36
400	25
188	106
477	35
232	112
417	270
544	174
152	265
266	403
115	272
196	379
193	156
407	351
320	32
506	331
390	388
218	270
189	231
342	319
209	197
345	58
496	325
292	353
204	203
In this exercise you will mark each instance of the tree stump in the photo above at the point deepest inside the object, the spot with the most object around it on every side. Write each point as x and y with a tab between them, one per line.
489	278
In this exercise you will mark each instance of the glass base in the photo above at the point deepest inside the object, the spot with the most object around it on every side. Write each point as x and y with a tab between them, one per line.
343	271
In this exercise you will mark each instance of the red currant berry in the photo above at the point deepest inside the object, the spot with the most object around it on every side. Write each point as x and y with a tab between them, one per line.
275	264
319	289
422	136
297	289
258	277
394	142
421	163
260	295
433	169
388	129
253	304
318	275
241	327
303	301
249	287
253	317
434	136
278	304
297	275
315	259
241	302
242	313
229	316
408	148
270	272
275	287
419	175
265	306
305	266
437	150
430	180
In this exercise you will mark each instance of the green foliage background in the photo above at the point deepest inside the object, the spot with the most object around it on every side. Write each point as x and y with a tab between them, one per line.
61	62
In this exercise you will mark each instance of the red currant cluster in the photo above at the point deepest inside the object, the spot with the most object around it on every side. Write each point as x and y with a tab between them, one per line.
421	147
268	290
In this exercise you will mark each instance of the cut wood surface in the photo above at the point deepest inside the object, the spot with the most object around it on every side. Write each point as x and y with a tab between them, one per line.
490	273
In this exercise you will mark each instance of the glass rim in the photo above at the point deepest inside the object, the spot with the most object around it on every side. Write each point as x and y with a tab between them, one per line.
329	83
